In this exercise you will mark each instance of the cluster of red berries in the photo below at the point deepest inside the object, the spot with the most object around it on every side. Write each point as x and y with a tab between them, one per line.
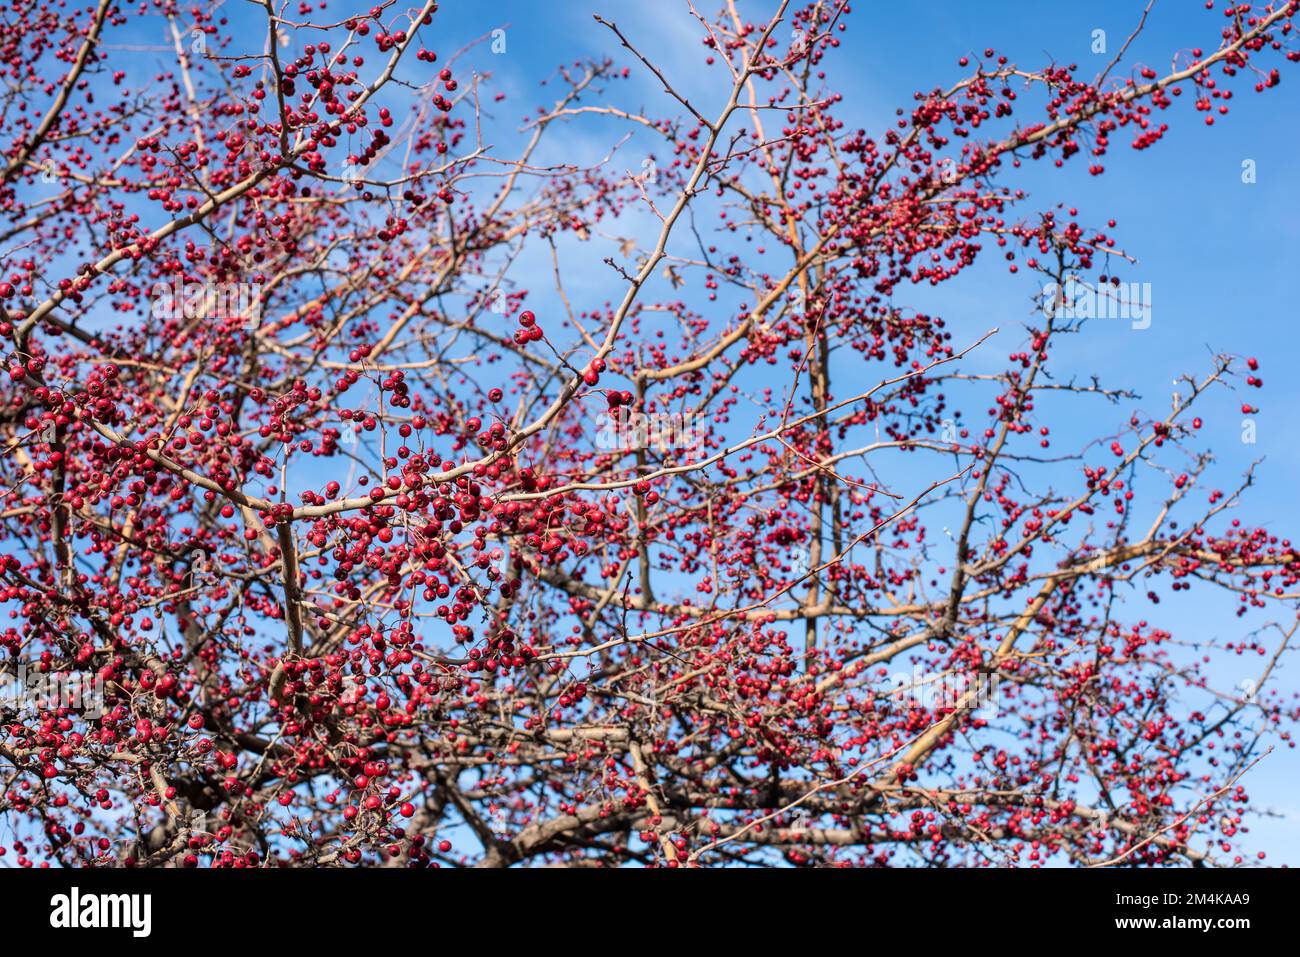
529	330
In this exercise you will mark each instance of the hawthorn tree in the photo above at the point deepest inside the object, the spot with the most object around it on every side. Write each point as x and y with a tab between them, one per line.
346	532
